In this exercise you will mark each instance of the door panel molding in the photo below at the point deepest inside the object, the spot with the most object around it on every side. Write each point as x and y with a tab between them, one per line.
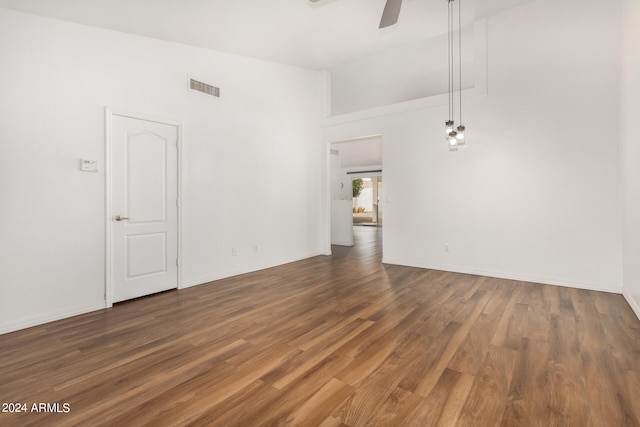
110	114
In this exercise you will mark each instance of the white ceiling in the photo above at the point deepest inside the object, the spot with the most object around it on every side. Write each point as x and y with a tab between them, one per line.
359	152
286	31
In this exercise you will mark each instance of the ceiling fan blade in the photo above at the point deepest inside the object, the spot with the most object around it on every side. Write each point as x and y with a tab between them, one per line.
390	13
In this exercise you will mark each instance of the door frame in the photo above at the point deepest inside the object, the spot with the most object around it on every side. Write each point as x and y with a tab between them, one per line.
110	112
331	143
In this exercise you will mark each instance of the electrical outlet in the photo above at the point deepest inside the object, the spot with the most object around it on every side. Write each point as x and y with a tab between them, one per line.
256	248
446	247
234	251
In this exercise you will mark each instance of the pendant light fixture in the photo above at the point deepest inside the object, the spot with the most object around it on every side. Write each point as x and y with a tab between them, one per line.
455	136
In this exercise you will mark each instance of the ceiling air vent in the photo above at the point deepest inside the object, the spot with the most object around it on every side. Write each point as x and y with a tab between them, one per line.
204	88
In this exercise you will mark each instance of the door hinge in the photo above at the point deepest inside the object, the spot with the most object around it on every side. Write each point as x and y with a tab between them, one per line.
177	262
178	203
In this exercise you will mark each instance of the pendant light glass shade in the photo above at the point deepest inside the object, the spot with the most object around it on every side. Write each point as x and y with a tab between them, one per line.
453	141
460	135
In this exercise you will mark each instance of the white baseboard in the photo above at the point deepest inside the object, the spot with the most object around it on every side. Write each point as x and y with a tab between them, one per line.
247	269
635	305
342	243
509	276
46	318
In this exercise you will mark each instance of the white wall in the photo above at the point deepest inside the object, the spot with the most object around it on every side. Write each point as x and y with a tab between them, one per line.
630	130
56	79
411	72
536	195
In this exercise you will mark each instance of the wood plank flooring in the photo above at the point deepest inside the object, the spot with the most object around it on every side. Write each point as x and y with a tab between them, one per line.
336	341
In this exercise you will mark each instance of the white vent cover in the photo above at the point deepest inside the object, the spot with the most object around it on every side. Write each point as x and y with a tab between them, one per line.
204	88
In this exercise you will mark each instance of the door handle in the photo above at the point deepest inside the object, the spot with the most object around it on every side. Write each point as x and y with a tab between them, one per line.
121	218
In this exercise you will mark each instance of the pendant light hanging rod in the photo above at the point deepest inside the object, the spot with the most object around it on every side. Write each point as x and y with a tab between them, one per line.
460	129
451	60
460	56
450	122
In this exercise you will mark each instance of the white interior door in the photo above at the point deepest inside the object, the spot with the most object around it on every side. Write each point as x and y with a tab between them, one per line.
144	213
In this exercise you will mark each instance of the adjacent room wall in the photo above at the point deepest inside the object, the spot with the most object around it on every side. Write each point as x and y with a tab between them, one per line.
630	129
536	195
341	202
251	159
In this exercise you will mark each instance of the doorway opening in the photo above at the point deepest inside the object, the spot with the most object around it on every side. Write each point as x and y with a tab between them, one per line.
356	160
367	210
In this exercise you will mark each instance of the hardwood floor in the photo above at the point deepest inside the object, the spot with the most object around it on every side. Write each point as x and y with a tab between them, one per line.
336	341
